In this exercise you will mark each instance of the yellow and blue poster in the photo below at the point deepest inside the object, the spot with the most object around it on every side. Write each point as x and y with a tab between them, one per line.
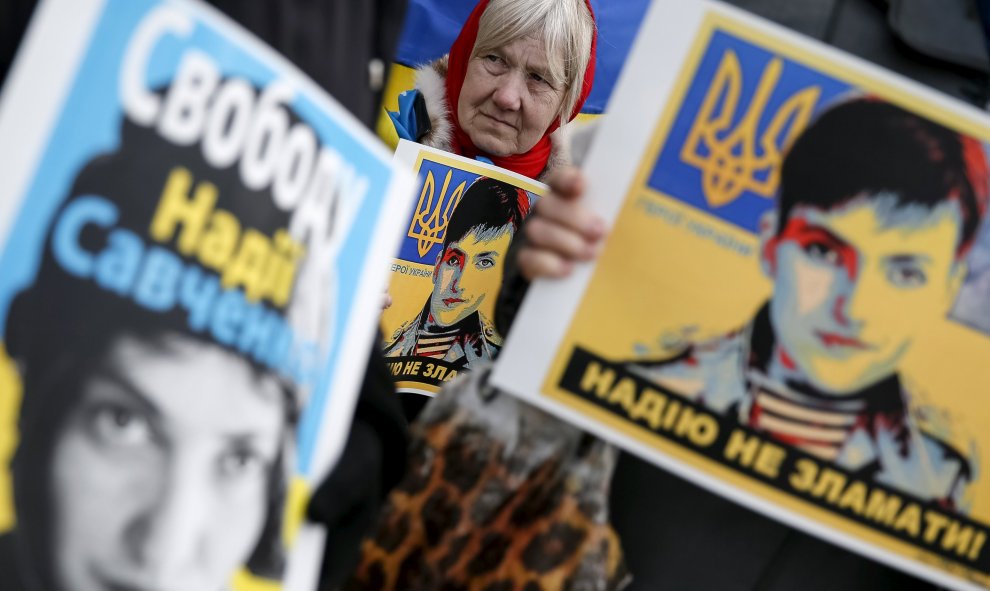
188	229
447	276
792	305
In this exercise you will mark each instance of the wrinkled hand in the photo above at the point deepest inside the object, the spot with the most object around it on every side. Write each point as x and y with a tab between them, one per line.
561	230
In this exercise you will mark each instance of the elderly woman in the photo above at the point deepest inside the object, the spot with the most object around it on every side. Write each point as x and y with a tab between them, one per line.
518	71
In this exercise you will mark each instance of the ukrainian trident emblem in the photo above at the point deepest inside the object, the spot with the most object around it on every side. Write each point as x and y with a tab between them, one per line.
734	159
429	222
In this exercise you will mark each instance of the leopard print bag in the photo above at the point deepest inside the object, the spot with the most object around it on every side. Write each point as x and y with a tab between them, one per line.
499	496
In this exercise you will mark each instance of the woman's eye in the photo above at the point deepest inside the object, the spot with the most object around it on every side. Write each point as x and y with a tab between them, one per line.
238	462
118	425
820	251
495	64
537	78
485	263
907	276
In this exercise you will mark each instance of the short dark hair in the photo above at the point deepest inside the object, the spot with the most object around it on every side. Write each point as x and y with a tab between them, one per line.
487	204
869	146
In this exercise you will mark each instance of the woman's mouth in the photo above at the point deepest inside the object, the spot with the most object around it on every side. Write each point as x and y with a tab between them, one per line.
498	120
832	340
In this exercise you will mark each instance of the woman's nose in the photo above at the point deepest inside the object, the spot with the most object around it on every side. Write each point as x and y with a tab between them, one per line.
168	534
509	93
864	297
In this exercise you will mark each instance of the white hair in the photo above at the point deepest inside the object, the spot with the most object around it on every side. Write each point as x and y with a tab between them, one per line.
565	27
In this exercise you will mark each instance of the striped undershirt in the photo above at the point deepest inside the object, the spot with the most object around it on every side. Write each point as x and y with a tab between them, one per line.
435	344
816	426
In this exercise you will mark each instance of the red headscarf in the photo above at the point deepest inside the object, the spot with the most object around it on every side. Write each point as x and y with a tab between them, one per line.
534	161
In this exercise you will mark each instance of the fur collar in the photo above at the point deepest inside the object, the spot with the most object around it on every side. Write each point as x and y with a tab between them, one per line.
431	82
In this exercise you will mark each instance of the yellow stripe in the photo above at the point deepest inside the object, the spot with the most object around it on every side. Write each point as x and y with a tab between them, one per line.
10	408
825	452
433	346
400	79
245	581
295	508
776	425
803	413
435	340
432	352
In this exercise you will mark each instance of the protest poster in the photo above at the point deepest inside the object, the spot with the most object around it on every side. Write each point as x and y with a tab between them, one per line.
447	275
189	229
791	307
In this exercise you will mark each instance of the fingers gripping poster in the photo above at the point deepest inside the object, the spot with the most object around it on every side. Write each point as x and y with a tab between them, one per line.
450	266
188	227
791	307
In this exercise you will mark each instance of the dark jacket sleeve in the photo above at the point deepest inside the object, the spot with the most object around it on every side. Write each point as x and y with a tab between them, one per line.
514	286
373	462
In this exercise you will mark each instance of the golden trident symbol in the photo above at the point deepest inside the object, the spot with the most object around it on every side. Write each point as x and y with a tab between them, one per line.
429	223
725	175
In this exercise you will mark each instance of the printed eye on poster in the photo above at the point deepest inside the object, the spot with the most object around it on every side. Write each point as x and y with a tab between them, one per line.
792	307
188	232
447	276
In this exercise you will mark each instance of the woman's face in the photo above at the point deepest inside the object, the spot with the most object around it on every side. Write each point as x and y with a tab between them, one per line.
470	271
161	473
508	101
